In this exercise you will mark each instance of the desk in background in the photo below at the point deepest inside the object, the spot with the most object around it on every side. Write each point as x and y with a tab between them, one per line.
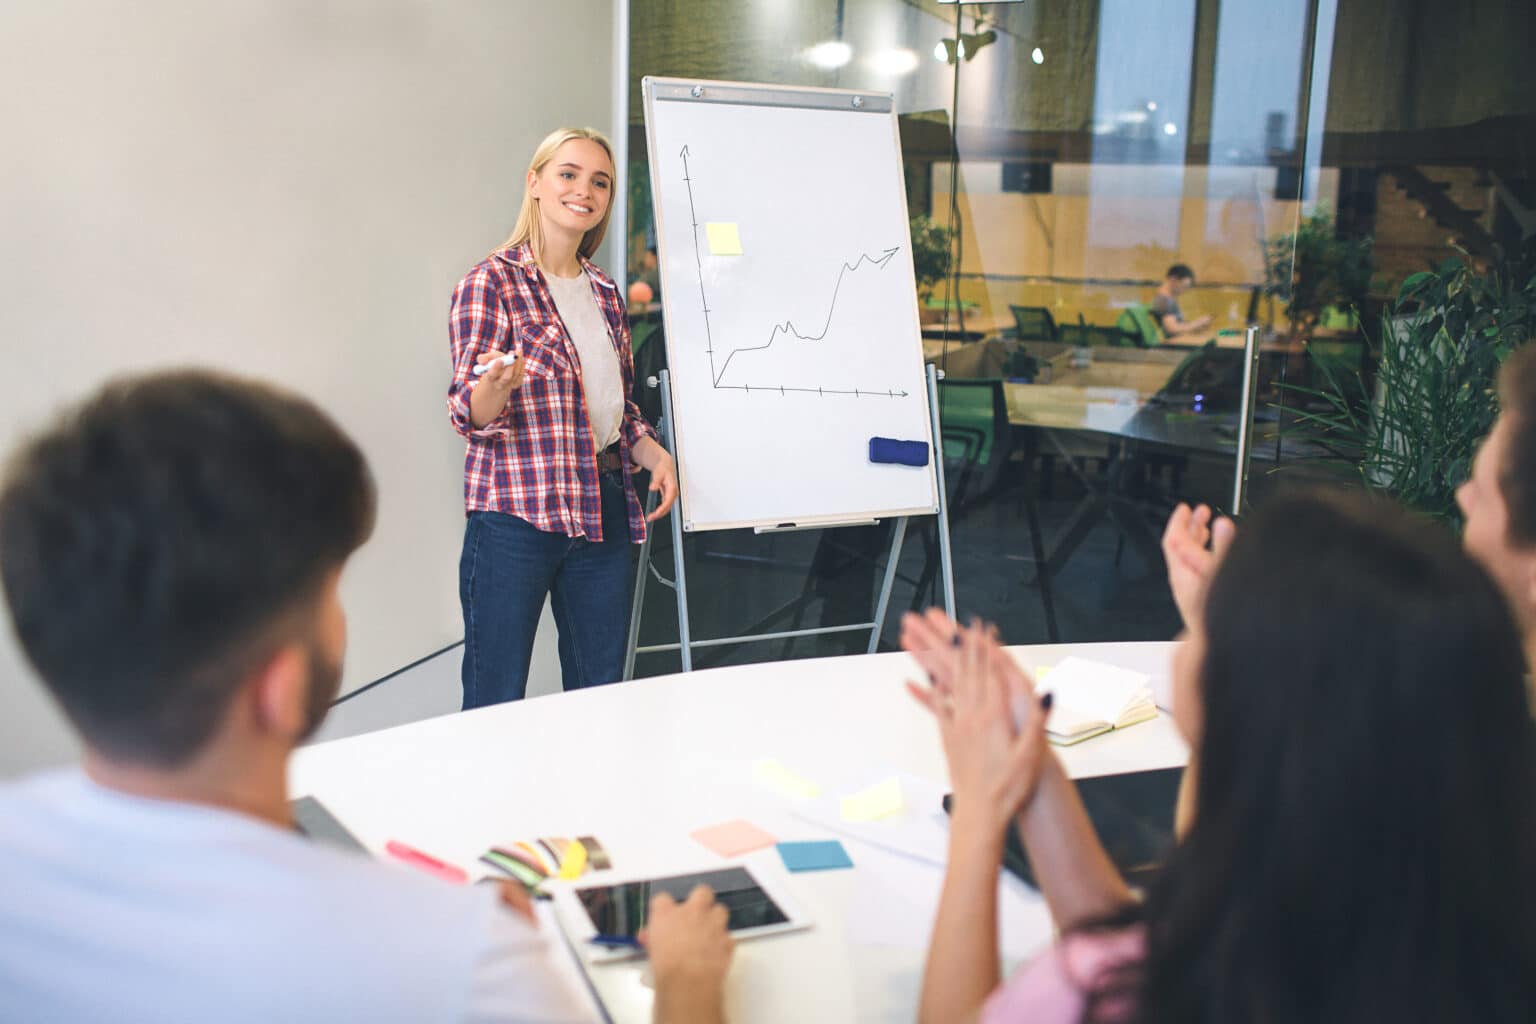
641	764
977	326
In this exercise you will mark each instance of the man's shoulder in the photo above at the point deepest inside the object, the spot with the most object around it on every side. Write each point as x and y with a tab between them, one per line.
44	815
96	871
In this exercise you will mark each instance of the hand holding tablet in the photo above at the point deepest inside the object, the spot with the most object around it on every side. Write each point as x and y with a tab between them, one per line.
599	917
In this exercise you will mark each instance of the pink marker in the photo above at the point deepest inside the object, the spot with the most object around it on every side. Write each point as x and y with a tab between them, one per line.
431	865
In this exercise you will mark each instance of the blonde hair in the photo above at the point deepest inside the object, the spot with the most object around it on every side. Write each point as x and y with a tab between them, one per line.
528	227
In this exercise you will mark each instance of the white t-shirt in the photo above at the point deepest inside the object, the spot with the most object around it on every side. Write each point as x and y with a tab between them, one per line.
602	384
124	909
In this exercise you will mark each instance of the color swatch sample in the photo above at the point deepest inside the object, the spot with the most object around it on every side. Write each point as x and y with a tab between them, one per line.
733	838
574	862
882	800
551	857
724	239
820	855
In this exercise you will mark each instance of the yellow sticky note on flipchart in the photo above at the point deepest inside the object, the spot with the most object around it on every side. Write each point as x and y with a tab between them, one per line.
882	800
773	775
724	239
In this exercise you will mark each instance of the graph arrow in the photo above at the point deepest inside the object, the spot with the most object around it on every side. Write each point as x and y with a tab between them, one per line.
698	257
787	327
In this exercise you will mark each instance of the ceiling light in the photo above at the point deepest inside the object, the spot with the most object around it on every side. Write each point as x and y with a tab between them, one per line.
1169	128
832	54
1037	55
965	47
897	62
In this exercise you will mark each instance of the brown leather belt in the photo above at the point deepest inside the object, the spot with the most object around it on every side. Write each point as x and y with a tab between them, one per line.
609	460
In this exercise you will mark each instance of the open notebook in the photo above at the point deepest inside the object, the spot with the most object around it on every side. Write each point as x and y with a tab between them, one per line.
1093	698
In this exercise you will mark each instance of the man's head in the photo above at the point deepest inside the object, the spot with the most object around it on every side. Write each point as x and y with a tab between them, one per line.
171	540
1180	278
1499	499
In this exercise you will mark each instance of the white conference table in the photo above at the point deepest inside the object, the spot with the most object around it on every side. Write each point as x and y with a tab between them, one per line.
642	764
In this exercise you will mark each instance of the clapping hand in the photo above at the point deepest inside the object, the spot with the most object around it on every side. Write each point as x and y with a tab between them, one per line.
990	722
1193	545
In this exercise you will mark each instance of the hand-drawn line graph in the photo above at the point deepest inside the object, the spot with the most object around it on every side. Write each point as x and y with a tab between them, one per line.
785	328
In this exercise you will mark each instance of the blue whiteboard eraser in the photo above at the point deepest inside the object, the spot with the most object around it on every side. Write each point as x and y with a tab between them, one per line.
902	453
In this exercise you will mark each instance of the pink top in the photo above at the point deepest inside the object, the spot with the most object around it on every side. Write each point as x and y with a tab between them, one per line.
1053	987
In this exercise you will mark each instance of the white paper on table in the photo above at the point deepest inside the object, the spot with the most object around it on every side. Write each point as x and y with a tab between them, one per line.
920	831
896	900
1093	690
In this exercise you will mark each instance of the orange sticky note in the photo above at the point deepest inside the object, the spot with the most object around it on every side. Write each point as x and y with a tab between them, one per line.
733	838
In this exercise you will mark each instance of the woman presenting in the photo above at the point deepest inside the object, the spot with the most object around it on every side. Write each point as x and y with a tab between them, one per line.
541	373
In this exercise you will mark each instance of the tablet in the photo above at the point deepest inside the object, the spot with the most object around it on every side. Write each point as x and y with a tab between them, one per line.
1133	815
619	908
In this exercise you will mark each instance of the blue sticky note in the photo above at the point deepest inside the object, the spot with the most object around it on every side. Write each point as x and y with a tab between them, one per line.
822	855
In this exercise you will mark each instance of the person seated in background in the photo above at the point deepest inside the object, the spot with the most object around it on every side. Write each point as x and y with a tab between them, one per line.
1165	303
170	553
1362	840
1498	506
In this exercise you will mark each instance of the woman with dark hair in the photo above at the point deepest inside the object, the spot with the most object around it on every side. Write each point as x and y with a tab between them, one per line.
1361	840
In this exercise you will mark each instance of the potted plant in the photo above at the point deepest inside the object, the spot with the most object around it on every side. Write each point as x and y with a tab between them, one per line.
1442	340
930	262
1312	269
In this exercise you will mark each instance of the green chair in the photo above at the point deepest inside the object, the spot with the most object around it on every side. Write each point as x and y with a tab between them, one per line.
978	445
1138	327
1033	323
975	440
973	418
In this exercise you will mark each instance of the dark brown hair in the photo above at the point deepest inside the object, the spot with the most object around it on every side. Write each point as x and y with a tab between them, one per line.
165	536
1364	840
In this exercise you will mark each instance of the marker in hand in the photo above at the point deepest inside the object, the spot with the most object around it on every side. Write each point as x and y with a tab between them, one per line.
506	360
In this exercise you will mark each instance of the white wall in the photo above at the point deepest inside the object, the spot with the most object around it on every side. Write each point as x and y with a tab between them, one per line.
284	188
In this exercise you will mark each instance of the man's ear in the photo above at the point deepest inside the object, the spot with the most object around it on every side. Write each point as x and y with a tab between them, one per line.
280	689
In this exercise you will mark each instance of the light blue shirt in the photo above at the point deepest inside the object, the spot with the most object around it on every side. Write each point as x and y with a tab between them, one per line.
124	909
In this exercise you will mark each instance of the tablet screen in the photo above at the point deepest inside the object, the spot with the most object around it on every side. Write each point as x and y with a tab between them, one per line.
621	909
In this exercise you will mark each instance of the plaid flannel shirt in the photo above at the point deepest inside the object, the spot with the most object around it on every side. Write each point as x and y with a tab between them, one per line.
536	460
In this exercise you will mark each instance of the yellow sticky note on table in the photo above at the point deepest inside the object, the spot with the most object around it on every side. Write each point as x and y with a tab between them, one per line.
773	775
882	800
724	239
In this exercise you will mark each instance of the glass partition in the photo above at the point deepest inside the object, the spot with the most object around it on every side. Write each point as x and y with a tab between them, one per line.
1105	197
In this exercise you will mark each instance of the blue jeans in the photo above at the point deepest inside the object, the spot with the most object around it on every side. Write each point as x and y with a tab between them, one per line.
508	566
